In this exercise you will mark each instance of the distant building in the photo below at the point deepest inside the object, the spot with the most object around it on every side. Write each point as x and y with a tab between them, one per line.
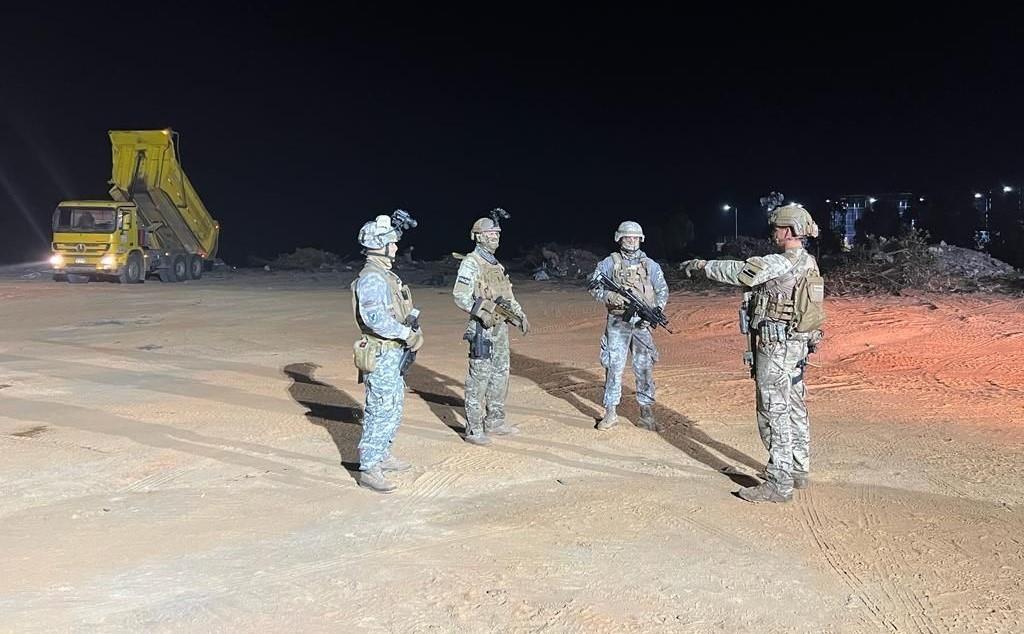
847	210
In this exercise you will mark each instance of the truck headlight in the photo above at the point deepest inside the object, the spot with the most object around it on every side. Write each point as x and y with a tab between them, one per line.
57	260
107	261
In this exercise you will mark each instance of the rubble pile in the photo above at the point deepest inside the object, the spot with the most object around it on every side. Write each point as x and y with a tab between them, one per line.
898	265
554	260
306	259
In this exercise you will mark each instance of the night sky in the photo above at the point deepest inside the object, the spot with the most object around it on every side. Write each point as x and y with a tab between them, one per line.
298	126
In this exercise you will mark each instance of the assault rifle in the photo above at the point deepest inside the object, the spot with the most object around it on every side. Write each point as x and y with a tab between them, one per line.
636	308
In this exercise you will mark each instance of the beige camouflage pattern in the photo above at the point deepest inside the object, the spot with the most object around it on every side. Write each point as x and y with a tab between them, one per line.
480	275
779	358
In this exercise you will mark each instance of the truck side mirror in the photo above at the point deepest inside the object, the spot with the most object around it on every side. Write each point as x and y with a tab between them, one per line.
124	220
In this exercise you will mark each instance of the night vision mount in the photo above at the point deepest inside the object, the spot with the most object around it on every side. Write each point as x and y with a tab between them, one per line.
771	201
401	220
498	214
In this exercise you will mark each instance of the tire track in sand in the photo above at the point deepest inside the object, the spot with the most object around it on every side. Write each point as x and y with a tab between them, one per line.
840	562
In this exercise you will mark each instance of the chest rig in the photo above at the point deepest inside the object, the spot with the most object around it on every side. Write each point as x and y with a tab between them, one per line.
398	293
774	300
634	275
492	282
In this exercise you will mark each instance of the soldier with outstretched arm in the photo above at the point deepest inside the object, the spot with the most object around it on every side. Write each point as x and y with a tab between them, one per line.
784	313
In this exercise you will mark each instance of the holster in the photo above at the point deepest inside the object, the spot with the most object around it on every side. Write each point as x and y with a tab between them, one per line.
479	344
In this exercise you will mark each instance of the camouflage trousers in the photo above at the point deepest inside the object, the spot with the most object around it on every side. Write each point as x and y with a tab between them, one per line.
487	384
385	397
620	339
781	410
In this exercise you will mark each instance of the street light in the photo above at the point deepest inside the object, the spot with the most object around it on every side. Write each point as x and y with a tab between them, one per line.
736	219
977	195
1007	189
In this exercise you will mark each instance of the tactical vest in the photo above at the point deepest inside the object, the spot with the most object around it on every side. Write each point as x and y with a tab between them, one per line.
773	300
634	276
492	282
399	294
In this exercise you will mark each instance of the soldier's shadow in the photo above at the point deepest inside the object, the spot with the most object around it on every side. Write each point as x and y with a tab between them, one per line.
584	390
330	408
438	391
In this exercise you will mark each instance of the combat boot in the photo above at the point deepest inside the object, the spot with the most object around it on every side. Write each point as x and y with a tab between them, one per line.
647	418
481	440
800	480
374	480
611	419
392	463
765	492
504	429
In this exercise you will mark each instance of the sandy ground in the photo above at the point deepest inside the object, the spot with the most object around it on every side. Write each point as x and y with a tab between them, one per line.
179	457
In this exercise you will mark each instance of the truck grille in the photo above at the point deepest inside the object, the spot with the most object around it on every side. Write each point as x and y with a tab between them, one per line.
80	248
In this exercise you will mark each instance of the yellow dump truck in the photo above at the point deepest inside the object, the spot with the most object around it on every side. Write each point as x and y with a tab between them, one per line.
154	224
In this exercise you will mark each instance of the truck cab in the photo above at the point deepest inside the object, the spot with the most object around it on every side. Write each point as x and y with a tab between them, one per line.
98	239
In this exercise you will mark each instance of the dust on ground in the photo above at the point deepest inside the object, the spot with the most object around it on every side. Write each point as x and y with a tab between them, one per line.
181	457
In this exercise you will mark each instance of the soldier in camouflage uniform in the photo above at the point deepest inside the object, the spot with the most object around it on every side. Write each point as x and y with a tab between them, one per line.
481	282
381	305
630	268
780	352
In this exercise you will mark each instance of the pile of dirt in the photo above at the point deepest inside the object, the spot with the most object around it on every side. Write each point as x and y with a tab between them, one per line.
553	260
898	265
969	263
307	259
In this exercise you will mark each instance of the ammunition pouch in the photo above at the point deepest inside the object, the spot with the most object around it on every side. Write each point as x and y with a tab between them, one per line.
366	350
779	309
772	332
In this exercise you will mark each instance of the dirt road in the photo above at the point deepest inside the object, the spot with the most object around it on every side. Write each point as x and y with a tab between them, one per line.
180	457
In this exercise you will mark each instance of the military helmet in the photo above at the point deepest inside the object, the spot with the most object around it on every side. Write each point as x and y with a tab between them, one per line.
483	224
795	217
629	228
378	233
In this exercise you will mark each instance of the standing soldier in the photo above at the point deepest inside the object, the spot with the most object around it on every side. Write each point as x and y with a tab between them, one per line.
782	315
630	268
483	290
384	313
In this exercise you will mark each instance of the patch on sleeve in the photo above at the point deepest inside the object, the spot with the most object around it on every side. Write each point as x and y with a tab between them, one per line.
750	269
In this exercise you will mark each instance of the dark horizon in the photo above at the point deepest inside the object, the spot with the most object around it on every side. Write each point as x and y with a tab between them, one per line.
296	128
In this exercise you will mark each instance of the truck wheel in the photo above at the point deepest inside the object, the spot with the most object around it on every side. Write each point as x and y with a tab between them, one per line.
132	272
78	279
195	267
179	267
60	277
